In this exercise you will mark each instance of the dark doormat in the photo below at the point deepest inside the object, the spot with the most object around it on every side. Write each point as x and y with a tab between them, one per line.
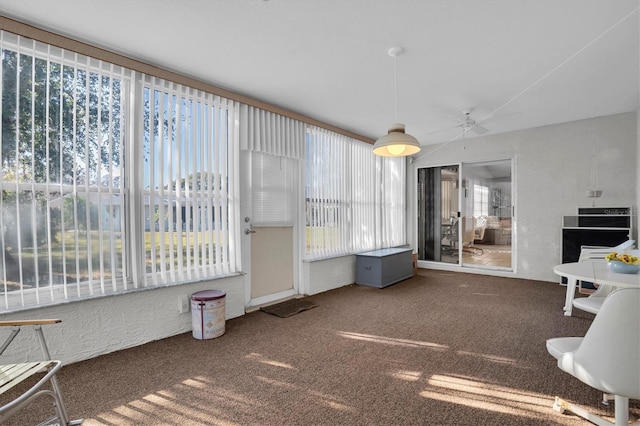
289	307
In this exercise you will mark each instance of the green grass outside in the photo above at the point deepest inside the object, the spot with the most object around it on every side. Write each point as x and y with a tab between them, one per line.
76	253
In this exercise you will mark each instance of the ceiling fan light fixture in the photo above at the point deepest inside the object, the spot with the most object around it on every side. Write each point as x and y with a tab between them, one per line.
396	143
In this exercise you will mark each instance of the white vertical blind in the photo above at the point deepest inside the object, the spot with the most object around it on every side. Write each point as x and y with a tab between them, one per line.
63	203
328	194
393	203
447	188
75	132
271	133
366	179
355	201
187	136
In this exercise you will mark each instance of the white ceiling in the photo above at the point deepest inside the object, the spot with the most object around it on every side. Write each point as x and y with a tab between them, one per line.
519	63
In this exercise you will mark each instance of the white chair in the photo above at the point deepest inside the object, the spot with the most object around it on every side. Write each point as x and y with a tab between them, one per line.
599	252
481	223
594	301
450	237
468	235
607	358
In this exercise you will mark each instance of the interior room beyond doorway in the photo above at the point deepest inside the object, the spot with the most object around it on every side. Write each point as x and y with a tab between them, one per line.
465	214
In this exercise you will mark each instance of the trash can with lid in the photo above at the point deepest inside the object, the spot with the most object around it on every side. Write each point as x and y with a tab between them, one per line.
207	314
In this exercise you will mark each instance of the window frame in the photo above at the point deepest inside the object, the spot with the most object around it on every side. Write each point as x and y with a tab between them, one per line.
129	187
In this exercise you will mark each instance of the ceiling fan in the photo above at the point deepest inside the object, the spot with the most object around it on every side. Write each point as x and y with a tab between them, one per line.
469	124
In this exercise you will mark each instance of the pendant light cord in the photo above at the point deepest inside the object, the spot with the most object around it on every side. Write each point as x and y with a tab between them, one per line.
395	88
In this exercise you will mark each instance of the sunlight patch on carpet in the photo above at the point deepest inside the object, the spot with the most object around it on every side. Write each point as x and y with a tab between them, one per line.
392	340
487	396
262	359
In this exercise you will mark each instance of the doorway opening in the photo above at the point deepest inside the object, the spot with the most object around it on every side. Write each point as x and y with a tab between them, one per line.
465	214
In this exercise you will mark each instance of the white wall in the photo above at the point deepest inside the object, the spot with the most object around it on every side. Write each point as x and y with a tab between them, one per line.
552	172
328	274
98	326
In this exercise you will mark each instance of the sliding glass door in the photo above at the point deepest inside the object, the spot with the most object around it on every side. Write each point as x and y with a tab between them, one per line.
488	215
438	207
465	214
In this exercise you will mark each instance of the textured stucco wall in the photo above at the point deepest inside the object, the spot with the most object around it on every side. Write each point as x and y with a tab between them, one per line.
99	326
323	275
552	172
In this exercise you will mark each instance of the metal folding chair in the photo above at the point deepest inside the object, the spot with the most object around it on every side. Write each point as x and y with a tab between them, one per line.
13	374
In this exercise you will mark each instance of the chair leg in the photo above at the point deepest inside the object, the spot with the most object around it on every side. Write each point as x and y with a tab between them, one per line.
60	407
622	410
560	405
64	417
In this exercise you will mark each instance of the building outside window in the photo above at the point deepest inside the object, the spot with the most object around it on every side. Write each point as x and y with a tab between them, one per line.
83	170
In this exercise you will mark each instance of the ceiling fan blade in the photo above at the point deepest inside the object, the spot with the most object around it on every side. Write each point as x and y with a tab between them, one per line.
442	130
500	117
479	130
470	125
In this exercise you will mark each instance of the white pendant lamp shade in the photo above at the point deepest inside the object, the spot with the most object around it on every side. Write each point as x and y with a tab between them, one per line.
396	143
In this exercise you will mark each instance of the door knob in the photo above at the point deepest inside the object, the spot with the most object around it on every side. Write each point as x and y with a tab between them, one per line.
249	231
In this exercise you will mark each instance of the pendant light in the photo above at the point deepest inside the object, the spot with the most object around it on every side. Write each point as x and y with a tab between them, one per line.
396	143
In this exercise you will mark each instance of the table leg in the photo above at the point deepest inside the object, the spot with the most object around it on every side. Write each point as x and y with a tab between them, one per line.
571	292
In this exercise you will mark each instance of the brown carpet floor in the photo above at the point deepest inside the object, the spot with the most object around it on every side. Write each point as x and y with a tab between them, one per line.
441	348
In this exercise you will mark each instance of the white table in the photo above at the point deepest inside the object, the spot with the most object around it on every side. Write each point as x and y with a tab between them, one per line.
594	271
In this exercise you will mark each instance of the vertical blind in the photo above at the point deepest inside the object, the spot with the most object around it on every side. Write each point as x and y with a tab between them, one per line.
366	184
448	193
89	206
327	194
276	144
113	180
271	133
186	182
393	203
63	198
354	200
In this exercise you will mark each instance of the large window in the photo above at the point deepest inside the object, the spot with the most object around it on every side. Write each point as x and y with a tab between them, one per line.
112	180
86	200
355	201
186	185
63	196
480	200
